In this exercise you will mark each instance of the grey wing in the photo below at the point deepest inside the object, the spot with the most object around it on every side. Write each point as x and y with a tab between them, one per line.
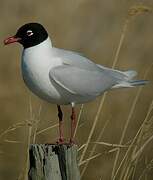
80	61
75	59
120	75
81	81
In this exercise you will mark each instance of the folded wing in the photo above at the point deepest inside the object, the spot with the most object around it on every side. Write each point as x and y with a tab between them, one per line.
81	81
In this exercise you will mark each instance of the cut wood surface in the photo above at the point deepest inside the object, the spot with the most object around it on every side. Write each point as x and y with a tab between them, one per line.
53	162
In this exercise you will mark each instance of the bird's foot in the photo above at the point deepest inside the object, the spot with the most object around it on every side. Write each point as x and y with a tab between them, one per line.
60	140
72	141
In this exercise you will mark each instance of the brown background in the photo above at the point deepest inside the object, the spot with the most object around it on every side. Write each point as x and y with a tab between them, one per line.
92	27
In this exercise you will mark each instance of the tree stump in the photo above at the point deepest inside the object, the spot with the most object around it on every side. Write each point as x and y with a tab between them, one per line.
53	162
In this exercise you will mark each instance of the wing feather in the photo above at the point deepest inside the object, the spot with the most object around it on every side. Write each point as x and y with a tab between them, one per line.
81	81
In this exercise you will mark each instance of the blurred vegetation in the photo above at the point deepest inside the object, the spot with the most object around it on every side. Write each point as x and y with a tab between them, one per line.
111	33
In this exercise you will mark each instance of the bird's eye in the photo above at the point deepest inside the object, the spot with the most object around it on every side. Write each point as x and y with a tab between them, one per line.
29	33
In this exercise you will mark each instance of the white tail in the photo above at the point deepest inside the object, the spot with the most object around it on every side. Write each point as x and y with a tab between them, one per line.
124	78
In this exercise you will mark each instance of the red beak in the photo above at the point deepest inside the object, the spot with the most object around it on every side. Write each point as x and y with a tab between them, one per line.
11	39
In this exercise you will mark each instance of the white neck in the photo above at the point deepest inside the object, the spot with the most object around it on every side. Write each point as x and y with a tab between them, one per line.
40	55
39	50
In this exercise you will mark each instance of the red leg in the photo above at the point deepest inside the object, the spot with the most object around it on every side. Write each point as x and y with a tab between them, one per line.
73	125
60	117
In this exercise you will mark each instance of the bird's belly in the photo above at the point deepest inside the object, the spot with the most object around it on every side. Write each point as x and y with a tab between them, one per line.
39	83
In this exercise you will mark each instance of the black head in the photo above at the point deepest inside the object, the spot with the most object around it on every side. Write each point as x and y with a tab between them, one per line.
29	35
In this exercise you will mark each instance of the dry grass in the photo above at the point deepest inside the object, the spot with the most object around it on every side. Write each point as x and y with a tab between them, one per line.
126	156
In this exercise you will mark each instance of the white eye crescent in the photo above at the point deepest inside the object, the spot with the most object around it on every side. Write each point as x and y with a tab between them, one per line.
29	33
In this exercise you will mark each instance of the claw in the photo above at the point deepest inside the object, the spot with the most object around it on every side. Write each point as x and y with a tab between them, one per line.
72	141
60	141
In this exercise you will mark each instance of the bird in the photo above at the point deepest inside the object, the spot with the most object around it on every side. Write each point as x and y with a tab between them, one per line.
64	77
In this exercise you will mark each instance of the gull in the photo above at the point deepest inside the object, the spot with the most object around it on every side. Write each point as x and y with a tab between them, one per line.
64	77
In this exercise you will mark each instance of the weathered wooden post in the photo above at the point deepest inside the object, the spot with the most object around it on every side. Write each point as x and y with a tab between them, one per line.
53	162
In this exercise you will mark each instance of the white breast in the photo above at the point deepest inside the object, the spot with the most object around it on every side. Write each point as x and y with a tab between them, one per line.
36	64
